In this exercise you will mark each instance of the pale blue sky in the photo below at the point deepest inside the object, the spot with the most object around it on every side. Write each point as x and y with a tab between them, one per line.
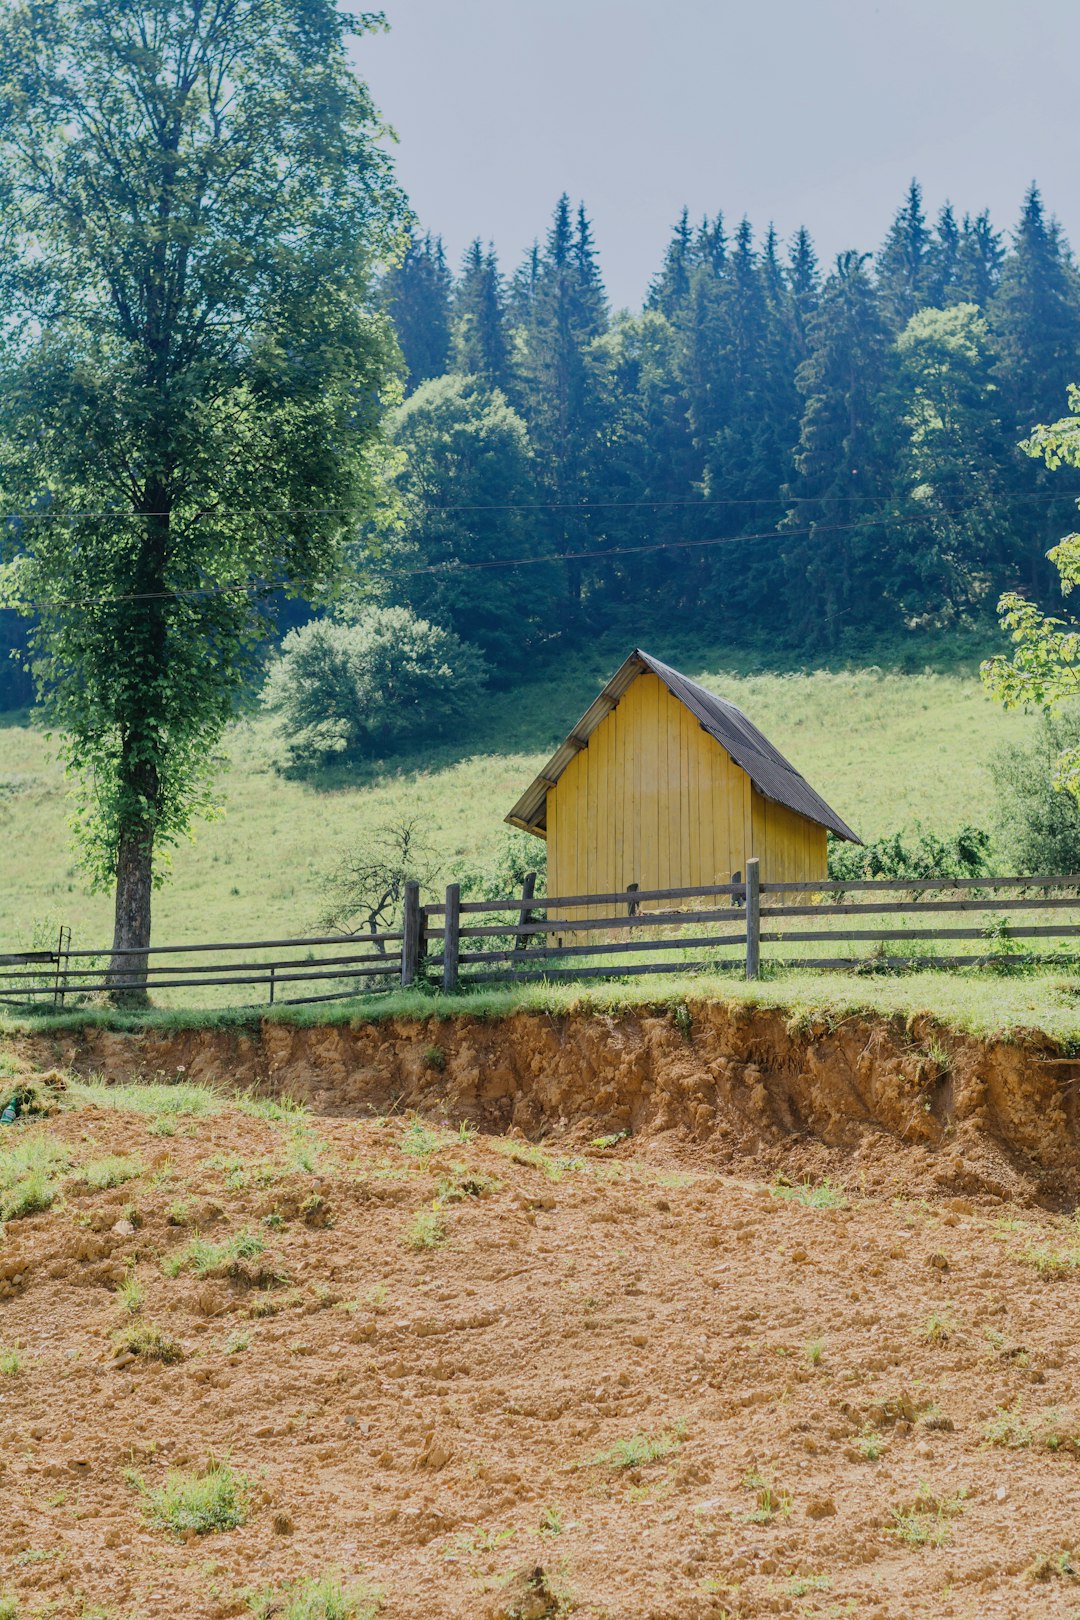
815	111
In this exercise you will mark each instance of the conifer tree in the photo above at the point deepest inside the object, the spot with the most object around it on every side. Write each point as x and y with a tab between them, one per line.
903	265
669	288
978	261
416	294
1035	318
840	474
481	345
566	313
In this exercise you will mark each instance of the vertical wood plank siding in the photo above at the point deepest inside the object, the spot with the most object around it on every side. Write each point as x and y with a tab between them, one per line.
654	800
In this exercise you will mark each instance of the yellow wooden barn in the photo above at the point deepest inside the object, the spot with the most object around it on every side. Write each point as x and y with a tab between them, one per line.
663	785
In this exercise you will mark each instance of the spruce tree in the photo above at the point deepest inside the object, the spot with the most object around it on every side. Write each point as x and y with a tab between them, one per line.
565	314
416	294
904	263
1035	319
670	287
1035	329
978	261
840	474
481	344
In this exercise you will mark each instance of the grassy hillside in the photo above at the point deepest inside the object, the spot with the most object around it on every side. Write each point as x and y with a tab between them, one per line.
884	749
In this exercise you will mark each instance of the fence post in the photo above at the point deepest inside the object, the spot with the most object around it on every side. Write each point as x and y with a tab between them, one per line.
451	938
410	928
753	919
528	889
273	971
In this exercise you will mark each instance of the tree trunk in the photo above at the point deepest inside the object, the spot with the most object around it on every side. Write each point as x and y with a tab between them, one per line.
126	977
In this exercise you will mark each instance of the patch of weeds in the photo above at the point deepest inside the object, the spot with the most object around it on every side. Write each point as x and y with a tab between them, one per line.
1050	1262
201	1257
418	1140
869	1445
434	1058
9	1607
640	1449
101	1174
770	1502
181	1101
179	1212
468	1543
29	1196
275	1221
323	1597
926	1522
31	1154
131	1294
308	1153
165	1125
814	1352
683	1020
1060	1566
278	1110
236	1343
463	1184
1007	1428
803	1585
826	1195
150	1342
1050	1430
551	1522
528	1153
426	1230
610	1141
938	1328
215	1500
10	1367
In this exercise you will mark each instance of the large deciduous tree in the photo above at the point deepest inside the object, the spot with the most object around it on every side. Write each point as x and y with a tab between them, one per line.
193	203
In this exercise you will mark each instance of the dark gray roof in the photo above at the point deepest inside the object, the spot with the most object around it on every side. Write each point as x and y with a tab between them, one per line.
773	776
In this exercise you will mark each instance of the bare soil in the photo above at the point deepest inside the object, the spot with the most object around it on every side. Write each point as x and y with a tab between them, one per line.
653	1364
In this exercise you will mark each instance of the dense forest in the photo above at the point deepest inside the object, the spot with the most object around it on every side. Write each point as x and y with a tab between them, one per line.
819	457
816	455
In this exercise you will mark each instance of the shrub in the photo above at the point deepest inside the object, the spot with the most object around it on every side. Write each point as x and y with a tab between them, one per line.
1037	824
915	854
359	689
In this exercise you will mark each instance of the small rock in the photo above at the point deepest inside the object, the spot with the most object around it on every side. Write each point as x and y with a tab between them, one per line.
124	1229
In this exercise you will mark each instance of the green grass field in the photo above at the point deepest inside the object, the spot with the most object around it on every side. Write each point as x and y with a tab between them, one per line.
885	749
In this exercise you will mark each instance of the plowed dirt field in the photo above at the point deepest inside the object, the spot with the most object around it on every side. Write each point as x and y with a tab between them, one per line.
477	1375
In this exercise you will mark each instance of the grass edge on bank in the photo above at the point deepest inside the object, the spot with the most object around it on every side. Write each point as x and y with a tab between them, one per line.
1003	1006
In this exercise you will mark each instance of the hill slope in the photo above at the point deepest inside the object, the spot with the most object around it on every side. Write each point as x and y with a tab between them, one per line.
884	749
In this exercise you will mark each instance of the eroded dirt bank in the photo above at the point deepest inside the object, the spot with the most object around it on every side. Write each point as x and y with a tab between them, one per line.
887	1105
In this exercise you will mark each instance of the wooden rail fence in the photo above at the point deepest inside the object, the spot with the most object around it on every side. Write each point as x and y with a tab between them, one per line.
327	968
744	927
724	927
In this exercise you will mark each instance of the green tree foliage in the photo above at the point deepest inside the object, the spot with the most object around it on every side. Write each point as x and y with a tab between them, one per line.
951	466
194	203
1037	826
360	689
465	510
916	854
564	312
906	263
1043	670
416	293
841	461
481	342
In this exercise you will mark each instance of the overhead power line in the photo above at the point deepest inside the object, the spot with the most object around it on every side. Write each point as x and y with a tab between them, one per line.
779	536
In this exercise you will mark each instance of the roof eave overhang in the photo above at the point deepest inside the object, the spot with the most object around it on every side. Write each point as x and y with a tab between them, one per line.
530	812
